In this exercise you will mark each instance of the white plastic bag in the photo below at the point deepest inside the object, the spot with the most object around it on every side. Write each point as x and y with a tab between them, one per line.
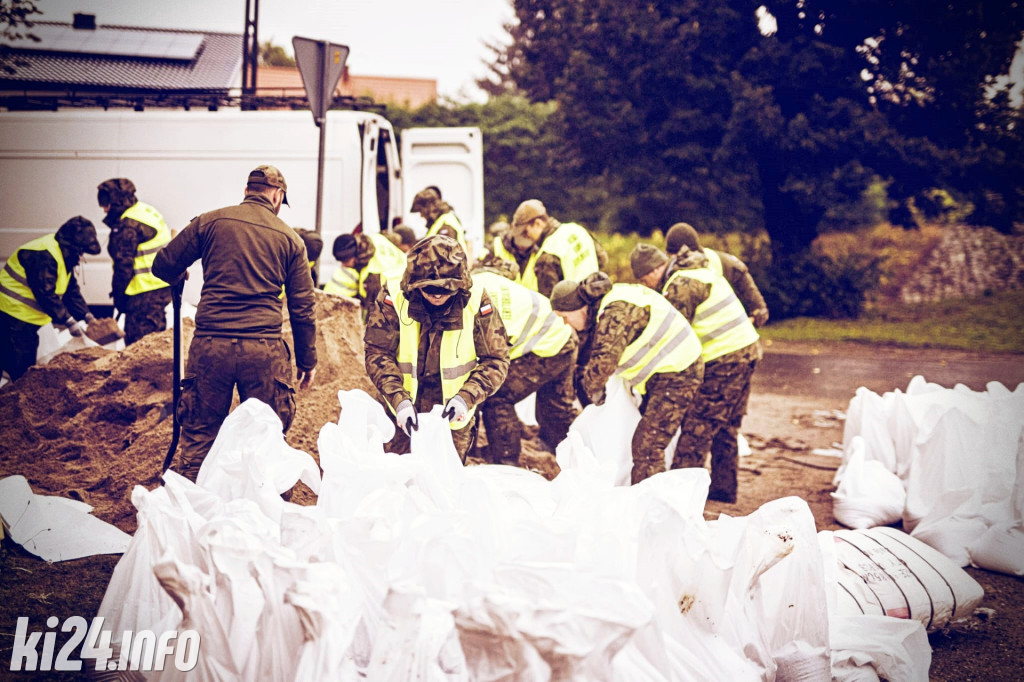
868	494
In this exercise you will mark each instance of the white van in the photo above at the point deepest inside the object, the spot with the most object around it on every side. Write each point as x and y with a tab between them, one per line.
188	162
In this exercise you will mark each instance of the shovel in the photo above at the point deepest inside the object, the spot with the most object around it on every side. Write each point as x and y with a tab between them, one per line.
176	290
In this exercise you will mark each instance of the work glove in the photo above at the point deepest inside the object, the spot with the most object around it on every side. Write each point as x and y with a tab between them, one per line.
406	417
76	327
456	410
89	318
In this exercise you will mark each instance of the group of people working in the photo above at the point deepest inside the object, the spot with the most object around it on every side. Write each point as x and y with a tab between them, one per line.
534	314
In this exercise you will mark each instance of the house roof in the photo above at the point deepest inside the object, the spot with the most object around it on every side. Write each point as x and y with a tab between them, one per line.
125	58
410	92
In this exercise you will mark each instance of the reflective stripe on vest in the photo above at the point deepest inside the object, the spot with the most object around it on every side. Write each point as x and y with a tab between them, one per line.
144	280
458	348
16	297
574	248
721	322
448	219
667	344
344	282
532	326
386	258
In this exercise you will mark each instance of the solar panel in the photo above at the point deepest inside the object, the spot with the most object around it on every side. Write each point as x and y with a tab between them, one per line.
113	42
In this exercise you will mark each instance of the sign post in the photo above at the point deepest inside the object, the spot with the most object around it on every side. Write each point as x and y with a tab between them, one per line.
320	64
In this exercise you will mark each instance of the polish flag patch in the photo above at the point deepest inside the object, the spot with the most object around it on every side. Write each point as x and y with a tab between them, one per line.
387	300
486	309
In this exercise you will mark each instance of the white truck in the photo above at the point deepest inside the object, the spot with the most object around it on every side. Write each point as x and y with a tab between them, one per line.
187	162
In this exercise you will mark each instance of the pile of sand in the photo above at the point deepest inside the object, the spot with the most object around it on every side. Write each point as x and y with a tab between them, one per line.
93	424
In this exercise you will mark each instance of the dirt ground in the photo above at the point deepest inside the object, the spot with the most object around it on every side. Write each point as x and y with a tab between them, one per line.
91	425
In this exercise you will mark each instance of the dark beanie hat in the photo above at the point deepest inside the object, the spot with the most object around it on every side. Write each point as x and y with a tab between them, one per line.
680	235
566	296
646	258
345	246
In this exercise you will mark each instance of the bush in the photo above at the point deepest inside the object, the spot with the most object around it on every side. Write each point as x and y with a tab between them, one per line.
815	285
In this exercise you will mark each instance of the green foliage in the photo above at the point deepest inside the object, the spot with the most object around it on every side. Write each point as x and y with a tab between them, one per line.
992	323
813	285
15	16
274	55
679	109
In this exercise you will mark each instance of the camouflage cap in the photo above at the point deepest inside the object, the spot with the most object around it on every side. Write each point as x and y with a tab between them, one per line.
644	259
529	210
437	261
269	176
499	266
425	198
116	192
565	297
313	241
680	235
80	233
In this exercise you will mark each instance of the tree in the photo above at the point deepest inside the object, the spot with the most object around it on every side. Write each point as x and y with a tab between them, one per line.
14	17
274	55
701	110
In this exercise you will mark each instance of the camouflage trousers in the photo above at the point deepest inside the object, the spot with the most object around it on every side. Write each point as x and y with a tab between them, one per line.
147	314
668	399
258	368
713	424
551	379
19	345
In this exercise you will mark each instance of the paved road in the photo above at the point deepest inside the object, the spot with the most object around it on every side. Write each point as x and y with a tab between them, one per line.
836	372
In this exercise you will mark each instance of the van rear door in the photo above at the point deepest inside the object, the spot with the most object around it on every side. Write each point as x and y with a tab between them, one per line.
451	159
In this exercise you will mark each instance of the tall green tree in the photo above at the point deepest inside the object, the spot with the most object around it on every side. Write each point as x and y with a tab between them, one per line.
770	111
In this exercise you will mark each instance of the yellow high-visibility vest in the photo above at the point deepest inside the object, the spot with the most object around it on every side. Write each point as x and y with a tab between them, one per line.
532	326
667	344
458	348
714	261
448	219
16	297
344	282
144	280
720	321
386	258
573	246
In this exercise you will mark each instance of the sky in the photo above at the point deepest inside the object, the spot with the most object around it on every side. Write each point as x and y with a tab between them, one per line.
439	39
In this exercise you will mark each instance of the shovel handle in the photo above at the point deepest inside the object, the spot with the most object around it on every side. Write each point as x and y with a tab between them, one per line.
176	291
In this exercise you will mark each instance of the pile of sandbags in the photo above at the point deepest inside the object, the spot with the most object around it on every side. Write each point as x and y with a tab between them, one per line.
415	567
948	463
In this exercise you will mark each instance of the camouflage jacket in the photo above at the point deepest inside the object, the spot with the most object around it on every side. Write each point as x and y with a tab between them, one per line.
603	343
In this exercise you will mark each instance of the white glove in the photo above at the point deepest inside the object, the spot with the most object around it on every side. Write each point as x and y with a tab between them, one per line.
456	410
406	417
77	328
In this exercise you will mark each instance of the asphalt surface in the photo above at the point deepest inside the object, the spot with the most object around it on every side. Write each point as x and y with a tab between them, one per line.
836	372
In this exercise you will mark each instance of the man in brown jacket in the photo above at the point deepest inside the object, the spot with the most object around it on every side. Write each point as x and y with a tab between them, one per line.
248	255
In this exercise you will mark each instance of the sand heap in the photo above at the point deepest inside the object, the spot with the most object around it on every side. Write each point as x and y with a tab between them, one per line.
92	424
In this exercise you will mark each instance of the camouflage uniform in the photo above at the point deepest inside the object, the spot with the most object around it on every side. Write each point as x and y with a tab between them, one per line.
721	402
431	207
435	261
248	255
668	397
19	338
683	236
551	379
144	312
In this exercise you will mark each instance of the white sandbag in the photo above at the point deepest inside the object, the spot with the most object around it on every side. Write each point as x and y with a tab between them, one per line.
607	430
868	494
1001	547
251	459
417	641
190	589
526	410
867	418
887	572
870	647
331	610
55	528
52	343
